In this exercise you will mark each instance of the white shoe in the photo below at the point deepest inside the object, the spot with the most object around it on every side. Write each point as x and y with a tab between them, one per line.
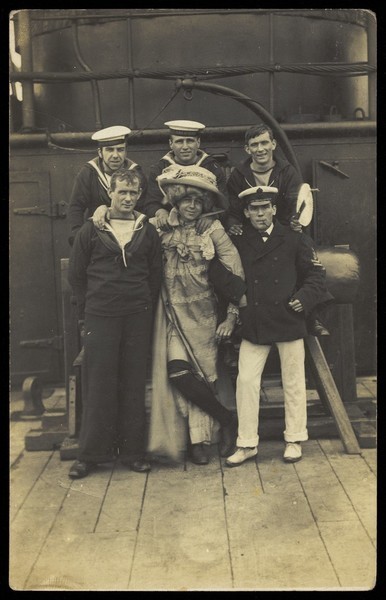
292	452
240	456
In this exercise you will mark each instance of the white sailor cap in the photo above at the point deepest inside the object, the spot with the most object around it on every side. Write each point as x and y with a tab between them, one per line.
185	128
110	136
258	194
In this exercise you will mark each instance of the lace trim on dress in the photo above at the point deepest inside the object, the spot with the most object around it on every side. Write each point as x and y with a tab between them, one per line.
173	271
206	243
177	299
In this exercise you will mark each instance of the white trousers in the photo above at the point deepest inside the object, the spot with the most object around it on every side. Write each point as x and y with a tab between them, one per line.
252	359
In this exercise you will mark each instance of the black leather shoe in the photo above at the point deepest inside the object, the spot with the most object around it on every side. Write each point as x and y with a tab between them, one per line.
80	469
228	437
140	465
317	328
198	454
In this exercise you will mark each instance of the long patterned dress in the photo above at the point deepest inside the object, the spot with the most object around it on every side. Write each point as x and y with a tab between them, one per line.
189	295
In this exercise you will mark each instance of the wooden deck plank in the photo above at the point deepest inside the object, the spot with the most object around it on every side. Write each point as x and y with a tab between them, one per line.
327	498
292	558
23	476
122	505
85	561
370	456
275	474
243	488
358	482
351	552
27	537
95	534
76	515
273	538
17	432
51	486
83	504
73	553
34	520
182	542
329	494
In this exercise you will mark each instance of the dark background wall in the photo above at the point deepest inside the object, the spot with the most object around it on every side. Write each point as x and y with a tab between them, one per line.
111	41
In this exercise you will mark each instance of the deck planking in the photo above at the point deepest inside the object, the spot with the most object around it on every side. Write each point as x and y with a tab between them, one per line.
265	525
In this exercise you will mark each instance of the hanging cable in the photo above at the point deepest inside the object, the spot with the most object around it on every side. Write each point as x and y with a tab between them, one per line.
176	91
94	82
53	146
322	69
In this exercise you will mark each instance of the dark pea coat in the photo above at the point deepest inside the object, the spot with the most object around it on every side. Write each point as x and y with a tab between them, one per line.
284	177
284	267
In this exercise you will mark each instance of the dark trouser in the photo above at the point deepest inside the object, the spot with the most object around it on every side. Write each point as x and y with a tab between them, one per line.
114	376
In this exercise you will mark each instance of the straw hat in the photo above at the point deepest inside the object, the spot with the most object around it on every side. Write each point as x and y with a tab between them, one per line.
189	175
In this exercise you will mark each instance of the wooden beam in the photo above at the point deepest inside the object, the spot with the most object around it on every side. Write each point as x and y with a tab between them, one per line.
329	394
70	328
339	349
346	332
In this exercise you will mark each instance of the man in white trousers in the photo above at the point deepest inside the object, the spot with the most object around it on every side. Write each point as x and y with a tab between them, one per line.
285	280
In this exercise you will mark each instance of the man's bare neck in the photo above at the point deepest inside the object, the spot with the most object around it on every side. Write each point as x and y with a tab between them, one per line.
187	164
121	217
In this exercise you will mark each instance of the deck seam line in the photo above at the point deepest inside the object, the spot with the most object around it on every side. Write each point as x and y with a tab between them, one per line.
137	531
103	499
370	467
33	485
347	496
317	526
224	494
45	539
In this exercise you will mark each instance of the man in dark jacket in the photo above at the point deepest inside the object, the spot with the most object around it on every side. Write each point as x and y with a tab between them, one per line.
285	280
116	277
92	183
184	142
264	168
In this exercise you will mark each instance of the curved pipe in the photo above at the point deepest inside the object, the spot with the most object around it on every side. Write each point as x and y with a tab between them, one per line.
254	106
159	136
